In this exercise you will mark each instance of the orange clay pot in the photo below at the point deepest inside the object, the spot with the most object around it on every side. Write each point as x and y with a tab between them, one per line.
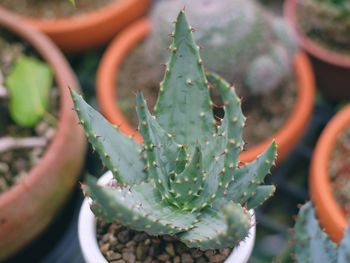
286	137
332	70
28	207
92	29
329	212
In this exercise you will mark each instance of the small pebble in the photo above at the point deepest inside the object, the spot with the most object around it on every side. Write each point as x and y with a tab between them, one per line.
129	258
123	236
186	258
141	251
170	249
113	256
104	248
163	257
196	253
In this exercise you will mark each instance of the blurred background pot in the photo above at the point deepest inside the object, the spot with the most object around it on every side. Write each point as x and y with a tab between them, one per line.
28	207
332	69
112	60
330	213
88	30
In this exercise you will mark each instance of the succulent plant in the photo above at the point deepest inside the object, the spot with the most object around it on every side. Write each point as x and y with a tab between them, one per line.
239	40
327	21
313	244
185	179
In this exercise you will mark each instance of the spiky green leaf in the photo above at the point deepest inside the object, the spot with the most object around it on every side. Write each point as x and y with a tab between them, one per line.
119	153
139	208
248	177
344	248
161	149
186	185
218	229
183	107
312	244
261	194
231	128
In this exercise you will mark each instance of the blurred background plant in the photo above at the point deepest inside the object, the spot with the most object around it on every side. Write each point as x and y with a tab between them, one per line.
248	46
326	21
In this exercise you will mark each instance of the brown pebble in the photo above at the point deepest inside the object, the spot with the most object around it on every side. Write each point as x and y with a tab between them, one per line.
131	243
217	258
114	227
129	257
148	260
113	256
163	257
104	248
120	247
112	240
153	250
104	238
147	241
170	249
196	253
140	251
123	236
177	259
118	261
210	253
186	258
225	251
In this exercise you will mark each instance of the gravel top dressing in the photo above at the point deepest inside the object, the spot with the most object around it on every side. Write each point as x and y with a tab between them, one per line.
119	244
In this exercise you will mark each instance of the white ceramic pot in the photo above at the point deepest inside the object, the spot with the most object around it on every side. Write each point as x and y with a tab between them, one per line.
92	253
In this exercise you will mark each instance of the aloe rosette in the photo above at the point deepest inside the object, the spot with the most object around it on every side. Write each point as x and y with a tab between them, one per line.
185	180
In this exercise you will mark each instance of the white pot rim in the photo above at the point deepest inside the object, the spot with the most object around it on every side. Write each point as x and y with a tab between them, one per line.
92	254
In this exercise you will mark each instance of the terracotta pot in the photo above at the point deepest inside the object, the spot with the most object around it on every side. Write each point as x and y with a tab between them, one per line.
92	29
332	70
29	206
91	251
329	212
286	137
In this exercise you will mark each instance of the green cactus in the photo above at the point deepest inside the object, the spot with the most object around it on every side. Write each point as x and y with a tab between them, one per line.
313	245
326	21
239	40
185	179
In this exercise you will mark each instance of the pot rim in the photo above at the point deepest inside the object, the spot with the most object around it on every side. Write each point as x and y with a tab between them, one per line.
78	22
311	46
64	78
329	212
286	137
91	252
59	167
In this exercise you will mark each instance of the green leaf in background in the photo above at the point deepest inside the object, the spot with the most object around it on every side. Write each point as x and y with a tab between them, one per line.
72	2
29	84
